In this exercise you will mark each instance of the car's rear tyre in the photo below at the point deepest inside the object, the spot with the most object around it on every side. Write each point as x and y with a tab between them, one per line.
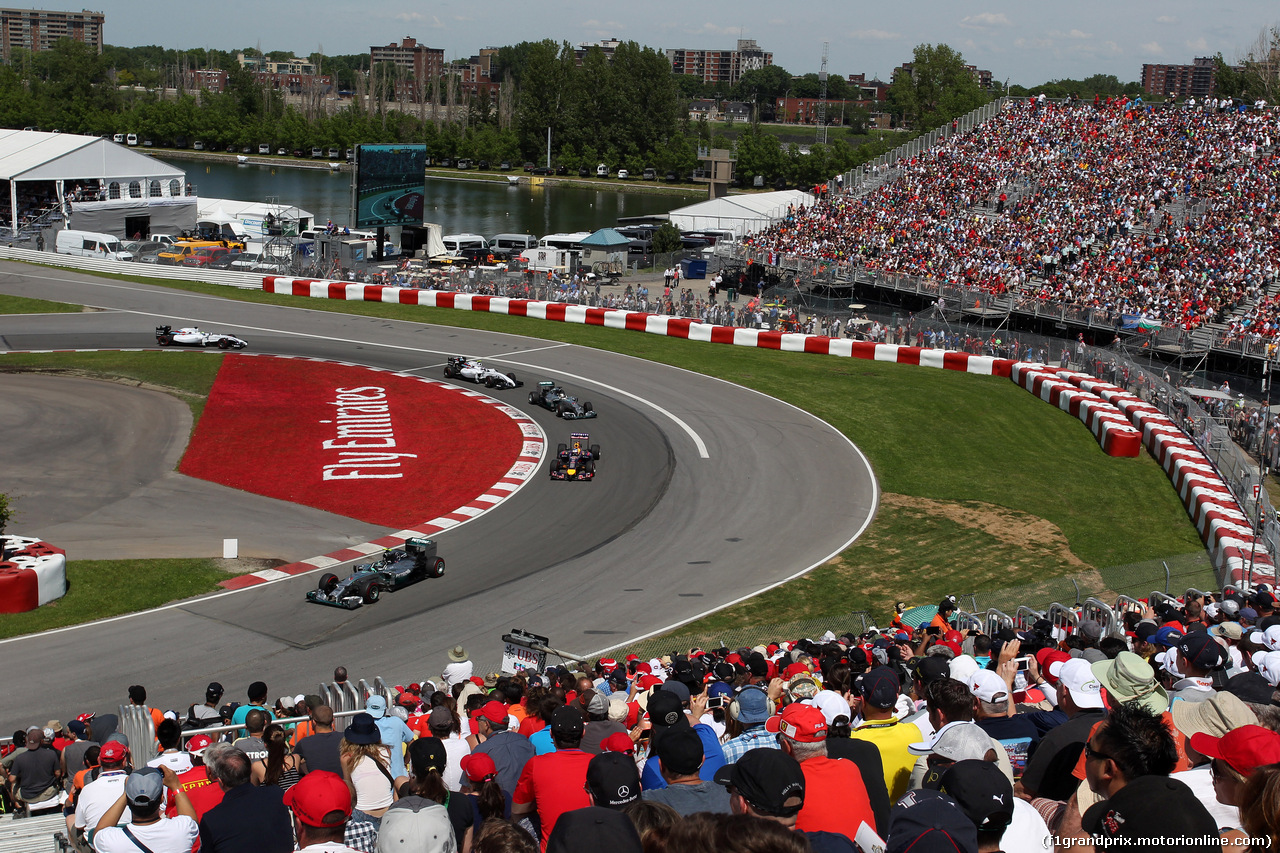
449	372
437	568
561	448
372	593
595	451
587	407
328	581
164	340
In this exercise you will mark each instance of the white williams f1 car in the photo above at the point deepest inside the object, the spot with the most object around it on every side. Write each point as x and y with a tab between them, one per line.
193	337
459	367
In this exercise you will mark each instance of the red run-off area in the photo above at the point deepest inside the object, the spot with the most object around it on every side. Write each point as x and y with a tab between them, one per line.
385	449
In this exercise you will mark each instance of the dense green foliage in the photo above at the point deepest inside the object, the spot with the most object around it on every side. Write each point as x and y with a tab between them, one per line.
939	88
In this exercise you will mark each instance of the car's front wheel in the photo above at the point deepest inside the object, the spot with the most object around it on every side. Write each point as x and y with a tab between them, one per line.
372	593
224	344
328	581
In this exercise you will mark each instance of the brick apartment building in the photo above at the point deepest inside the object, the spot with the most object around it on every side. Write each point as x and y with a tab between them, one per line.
425	63
720	66
38	30
1196	80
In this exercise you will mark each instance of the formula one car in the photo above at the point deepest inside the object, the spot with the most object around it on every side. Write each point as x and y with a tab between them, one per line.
460	367
193	337
396	569
575	460
551	396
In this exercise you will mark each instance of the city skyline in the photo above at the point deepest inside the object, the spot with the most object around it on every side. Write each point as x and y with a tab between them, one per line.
1020	43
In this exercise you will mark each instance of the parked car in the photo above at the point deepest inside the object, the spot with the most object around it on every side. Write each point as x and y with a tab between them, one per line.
505	166
650	174
528	167
264	148
335	153
297	152
317	153
623	174
483	165
282	152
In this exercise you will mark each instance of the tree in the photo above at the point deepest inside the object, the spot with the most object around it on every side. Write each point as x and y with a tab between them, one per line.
666	239
6	505
763	86
938	89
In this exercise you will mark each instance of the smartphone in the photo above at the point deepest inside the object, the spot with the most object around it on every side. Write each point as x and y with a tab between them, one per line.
933	629
716	702
1023	663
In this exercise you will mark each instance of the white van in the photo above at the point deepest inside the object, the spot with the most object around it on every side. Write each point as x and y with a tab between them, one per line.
90	244
455	243
118	137
264	148
511	245
132	139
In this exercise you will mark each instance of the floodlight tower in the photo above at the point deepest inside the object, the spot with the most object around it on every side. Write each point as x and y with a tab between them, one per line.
822	95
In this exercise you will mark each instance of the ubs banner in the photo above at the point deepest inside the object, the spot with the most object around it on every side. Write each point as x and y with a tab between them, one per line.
384	449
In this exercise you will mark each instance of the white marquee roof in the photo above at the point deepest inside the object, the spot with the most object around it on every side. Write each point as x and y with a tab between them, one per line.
29	155
741	214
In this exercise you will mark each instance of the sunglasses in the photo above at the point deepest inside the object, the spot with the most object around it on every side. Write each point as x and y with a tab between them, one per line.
1093	753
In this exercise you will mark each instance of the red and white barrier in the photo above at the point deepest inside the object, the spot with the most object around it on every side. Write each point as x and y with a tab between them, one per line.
33	574
1112	430
1217	515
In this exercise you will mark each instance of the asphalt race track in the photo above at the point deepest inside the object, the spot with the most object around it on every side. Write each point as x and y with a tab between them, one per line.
706	492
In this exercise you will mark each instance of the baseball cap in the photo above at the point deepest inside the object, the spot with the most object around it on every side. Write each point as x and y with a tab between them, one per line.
213	692
1201	650
680	750
478	766
770	780
963	666
1269	638
930	822
594	828
427	754
198	744
679	688
493	711
1089	629
599	704
1245	748
1076	674
613	780
113	751
318	795
376	706
986	686
832	705
1227	630
144	789
1268	666
1050	661
879	687
1153	807
618	742
665	708
982	791
1250	687
931	668
566	723
753	706
958	740
1167	636
800	722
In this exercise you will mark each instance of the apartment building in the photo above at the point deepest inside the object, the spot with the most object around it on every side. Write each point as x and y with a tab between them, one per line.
720	66
39	30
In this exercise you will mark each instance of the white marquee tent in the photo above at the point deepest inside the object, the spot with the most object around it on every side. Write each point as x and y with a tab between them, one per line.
741	214
66	158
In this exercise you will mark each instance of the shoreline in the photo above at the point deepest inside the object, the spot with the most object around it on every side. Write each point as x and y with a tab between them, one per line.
473	176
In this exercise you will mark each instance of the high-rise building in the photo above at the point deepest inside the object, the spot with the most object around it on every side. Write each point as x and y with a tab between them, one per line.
720	66
39	29
1184	81
426	63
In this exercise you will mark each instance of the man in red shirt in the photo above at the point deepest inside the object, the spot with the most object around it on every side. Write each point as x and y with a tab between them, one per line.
835	798
203	792
555	783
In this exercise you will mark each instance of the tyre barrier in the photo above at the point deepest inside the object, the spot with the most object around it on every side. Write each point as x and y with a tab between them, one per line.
1111	428
32	573
1218	517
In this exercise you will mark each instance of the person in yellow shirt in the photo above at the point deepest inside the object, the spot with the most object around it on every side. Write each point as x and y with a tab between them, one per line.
879	690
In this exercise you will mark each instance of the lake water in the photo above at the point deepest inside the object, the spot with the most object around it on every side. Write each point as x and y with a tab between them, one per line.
457	206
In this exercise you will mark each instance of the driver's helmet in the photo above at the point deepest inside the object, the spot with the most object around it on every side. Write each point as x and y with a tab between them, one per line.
557	390
577	447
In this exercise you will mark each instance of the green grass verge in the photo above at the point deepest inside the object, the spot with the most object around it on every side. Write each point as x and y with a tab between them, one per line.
27	305
946	448
100	589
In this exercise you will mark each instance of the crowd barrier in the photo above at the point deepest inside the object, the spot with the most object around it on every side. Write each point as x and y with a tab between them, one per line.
1237	555
32	574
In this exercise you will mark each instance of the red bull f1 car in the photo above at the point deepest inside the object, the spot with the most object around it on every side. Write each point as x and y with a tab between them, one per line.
398	568
575	460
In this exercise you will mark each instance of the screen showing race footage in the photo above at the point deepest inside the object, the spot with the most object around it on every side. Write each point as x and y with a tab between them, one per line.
390	185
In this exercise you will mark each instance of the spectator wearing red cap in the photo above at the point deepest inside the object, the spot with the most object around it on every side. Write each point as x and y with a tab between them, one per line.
508	750
321	806
835	798
100	794
553	784
1236	755
878	697
480	787
203	791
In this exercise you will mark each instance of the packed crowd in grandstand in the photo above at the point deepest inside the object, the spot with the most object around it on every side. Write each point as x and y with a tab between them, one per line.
1077	203
1135	723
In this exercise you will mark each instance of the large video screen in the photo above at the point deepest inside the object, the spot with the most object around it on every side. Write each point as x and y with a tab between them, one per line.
391	185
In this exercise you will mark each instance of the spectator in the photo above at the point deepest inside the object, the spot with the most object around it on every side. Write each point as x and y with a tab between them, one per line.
307	727
459	668
1214	717
98	795
257	694
365	766
835	799
1153	806
503	836
169	737
249	817
669	706
992	712
203	791
1192	661
770	784
930	822
320	751
555	783
1003	821
206	715
442	724
508	750
1235	756
253	744
339	675
428	760
73	753
878	690
594	828
35	774
481	788
143	795
320	806
962	740
138	698
395	734
747	715
1260	814
678	750
1048	772
279	766
613	782
599	726
864	754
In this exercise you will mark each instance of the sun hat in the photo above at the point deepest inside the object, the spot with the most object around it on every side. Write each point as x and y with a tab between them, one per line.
457	654
1215	716
362	730
1129	678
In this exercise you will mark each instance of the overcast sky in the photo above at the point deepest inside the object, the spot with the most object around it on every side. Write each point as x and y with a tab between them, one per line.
1023	42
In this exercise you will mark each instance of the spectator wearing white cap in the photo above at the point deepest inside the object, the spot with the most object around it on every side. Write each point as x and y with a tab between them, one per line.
1048	772
992	711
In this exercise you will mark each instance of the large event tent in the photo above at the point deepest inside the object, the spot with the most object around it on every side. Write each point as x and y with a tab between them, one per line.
741	214
28	156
